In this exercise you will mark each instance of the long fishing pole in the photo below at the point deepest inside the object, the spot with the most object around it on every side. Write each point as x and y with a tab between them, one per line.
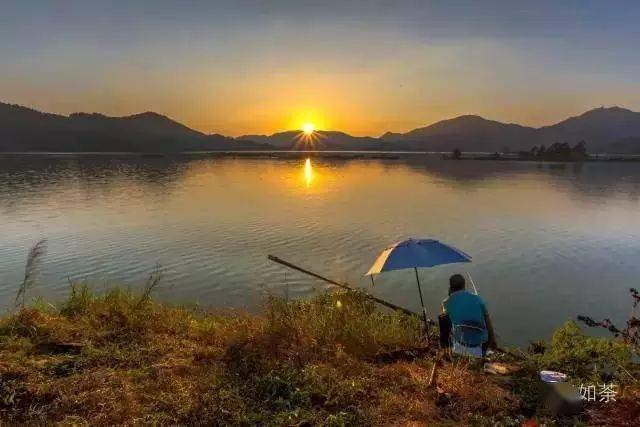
342	285
472	284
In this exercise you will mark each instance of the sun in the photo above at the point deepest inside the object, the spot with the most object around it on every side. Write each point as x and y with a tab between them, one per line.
308	128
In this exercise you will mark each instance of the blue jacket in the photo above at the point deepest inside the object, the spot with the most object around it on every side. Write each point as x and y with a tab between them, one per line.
465	308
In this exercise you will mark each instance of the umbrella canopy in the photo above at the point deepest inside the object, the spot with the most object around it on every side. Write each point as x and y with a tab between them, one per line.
416	253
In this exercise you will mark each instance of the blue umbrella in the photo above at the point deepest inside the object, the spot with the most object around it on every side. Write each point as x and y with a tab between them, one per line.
417	253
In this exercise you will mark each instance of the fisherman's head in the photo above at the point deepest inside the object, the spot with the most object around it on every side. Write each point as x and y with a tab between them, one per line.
456	283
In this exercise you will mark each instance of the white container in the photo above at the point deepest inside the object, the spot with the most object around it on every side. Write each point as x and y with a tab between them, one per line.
552	377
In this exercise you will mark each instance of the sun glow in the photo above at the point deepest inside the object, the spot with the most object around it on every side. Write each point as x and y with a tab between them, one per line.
308	128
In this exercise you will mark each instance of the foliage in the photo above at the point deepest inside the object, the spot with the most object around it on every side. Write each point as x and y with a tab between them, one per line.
580	356
121	358
631	331
557	151
344	321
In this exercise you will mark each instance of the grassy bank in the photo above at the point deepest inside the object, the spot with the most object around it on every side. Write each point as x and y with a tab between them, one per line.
122	358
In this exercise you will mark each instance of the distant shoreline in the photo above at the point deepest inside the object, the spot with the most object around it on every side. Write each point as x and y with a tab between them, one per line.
600	157
341	154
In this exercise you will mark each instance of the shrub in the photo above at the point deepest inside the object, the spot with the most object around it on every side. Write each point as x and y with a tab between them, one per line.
340	321
578	355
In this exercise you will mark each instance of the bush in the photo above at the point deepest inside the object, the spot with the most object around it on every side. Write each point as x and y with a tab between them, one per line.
120	358
580	356
341	321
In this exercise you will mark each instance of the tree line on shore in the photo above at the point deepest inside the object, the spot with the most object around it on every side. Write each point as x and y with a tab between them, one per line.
558	151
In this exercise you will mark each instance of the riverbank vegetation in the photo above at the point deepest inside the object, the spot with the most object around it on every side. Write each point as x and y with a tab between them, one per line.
121	358
558	151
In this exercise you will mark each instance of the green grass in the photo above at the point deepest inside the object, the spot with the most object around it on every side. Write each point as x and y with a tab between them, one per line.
121	358
585	358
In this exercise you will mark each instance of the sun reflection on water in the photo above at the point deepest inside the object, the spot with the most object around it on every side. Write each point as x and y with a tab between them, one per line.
308	172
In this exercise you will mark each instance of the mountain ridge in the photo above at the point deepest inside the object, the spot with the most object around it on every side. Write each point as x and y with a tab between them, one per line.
613	129
602	128
321	139
27	129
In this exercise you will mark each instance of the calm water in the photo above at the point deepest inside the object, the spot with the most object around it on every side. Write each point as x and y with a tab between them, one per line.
549	241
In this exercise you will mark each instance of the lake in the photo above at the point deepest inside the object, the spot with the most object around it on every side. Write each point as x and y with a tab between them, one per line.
549	241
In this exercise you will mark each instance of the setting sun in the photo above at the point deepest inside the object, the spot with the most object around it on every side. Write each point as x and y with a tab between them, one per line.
308	128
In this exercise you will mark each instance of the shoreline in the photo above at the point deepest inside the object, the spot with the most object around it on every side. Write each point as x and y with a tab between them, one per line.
330	154
121	358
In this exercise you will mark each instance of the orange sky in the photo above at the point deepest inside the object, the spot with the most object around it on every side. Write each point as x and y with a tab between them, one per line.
243	67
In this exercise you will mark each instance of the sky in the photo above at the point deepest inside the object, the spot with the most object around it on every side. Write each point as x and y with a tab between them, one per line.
363	67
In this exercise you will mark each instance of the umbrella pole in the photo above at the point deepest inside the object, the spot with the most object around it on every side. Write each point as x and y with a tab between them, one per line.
424	310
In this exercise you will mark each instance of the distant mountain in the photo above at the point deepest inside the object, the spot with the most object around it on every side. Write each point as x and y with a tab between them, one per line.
24	129
320	140
468	133
602	128
613	130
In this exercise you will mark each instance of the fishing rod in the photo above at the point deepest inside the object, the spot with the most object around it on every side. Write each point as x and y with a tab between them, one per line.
378	300
472	284
342	285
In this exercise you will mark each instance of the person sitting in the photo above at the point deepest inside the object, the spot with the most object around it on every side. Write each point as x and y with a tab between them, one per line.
465	322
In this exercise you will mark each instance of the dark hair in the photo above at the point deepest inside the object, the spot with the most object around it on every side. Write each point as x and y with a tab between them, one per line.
456	283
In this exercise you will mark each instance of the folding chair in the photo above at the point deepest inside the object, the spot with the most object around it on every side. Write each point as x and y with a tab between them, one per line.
467	339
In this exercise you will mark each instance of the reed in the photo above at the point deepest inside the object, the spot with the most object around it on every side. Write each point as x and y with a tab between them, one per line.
33	260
